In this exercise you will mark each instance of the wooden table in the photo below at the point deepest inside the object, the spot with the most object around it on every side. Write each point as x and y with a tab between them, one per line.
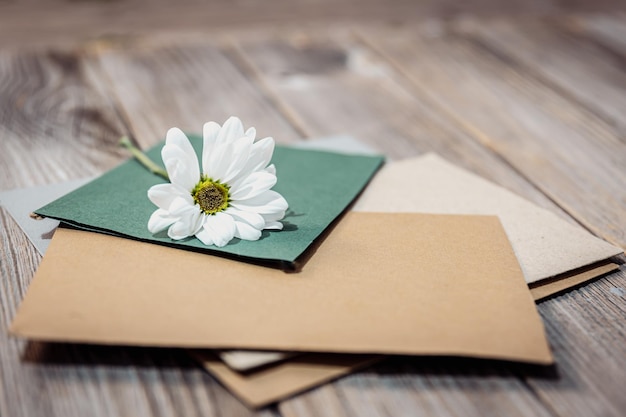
537	105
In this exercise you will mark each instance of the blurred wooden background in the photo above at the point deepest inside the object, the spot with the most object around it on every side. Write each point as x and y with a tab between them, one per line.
52	21
531	95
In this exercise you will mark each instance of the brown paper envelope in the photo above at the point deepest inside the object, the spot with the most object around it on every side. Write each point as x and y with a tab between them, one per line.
282	380
545	245
457	184
291	376
554	254
550	286
380	283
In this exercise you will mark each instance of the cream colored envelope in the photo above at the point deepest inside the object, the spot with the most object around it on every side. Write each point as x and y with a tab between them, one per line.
553	254
379	283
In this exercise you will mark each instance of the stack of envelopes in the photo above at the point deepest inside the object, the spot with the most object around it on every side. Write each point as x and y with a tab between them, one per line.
432	260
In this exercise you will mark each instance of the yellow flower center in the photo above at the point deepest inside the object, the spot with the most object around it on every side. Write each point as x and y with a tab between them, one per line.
211	196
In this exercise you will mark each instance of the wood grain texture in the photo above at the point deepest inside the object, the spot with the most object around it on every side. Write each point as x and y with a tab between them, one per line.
423	387
608	29
332	83
565	59
55	126
572	155
24	22
586	331
450	88
158	87
52	126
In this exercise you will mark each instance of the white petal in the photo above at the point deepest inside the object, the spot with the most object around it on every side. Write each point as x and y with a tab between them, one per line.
260	156
265	203
204	236
272	217
160	220
253	219
182	167
274	226
251	133
271	169
221	228
175	136
255	184
237	155
232	130
210	131
189	219
178	230
180	206
217	162
162	195
246	232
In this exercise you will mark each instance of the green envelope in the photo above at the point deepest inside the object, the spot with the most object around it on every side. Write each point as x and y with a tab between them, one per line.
317	185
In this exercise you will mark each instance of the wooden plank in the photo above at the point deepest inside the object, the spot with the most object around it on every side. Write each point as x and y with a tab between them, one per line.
162	86
586	332
491	100
565	60
570	154
52	127
31	21
608	29
422	387
332	84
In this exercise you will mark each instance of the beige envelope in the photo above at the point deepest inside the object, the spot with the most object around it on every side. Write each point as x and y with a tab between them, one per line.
284	379
554	254
380	283
546	246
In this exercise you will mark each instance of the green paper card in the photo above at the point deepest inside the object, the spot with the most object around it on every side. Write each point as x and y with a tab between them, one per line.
317	185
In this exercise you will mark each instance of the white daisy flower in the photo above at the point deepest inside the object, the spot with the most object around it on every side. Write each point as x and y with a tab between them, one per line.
231	197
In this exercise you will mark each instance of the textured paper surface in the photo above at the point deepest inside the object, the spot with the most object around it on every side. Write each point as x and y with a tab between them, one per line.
271	384
245	360
317	185
545	245
20	203
388	283
551	286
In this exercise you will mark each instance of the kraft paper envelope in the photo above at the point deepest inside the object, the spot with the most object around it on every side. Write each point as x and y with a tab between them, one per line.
380	283
249	383
553	254
21	202
279	381
317	185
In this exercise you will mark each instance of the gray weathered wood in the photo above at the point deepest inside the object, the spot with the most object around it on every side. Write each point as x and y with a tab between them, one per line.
454	89
52	128
607	29
332	84
158	87
302	73
573	156
563	58
25	22
586	331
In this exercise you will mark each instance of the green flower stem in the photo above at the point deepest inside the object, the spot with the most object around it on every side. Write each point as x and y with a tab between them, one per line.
143	158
